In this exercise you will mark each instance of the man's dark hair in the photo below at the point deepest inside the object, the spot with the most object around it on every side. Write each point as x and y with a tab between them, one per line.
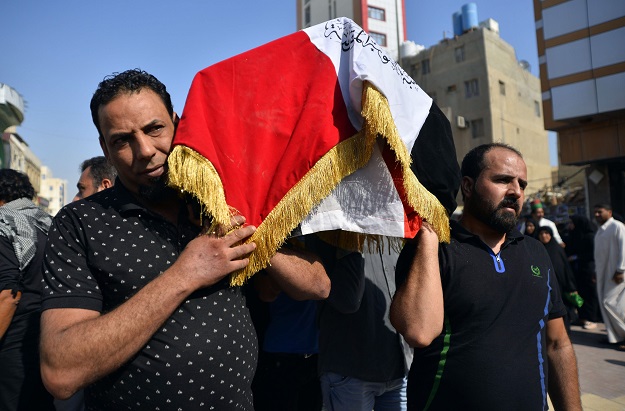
605	206
15	185
473	162
100	169
130	81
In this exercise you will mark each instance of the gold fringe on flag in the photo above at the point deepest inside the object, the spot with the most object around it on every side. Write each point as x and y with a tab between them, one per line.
379	122
191	172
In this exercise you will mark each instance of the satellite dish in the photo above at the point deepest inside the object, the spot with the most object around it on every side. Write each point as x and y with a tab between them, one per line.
525	65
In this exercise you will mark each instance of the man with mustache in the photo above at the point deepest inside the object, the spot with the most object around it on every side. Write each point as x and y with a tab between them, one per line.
137	307
484	312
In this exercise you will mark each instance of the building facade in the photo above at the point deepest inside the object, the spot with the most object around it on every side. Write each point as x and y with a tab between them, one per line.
582	73
54	190
383	20
487	95
18	156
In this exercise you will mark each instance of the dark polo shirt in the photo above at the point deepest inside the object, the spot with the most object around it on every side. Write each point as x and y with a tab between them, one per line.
491	354
104	249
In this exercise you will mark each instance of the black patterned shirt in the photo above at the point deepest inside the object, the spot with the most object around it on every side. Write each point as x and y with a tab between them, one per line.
101	251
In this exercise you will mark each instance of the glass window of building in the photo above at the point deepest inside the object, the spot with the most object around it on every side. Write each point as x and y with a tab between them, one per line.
376	13
477	128
471	88
425	66
459	51
379	38
537	108
307	16
502	88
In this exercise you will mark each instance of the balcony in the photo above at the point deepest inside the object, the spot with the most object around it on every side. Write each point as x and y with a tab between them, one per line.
11	107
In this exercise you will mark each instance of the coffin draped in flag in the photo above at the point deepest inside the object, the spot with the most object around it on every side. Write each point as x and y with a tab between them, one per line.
315	130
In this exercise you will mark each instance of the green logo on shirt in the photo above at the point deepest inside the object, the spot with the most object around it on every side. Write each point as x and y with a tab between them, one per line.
535	271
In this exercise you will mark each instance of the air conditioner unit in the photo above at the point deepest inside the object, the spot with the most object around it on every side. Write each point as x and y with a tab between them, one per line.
461	122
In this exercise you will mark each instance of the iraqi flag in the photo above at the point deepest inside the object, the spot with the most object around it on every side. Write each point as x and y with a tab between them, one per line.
314	130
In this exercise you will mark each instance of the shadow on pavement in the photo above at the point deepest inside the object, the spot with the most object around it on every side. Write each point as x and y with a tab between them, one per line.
616	362
590	339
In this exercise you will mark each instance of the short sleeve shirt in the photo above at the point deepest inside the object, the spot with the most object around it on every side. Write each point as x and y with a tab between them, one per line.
100	252
491	354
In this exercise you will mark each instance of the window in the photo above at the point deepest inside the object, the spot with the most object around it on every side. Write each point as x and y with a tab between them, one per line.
425	66
477	128
451	89
307	16
502	88
459	54
414	70
471	88
379	38
376	13
332	9
537	108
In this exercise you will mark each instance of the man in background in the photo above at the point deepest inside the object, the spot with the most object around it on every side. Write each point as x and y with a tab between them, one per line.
610	266
96	175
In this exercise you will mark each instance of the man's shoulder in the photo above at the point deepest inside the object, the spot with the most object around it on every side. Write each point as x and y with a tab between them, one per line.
619	224
532	244
109	201
546	222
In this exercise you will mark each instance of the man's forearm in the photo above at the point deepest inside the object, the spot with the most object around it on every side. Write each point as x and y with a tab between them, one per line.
563	378
79	352
300	275
8	305
417	309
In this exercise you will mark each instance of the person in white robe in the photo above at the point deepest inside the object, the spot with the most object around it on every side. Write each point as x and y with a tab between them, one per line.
610	267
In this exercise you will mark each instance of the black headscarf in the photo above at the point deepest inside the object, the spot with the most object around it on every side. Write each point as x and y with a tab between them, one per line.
561	266
582	225
581	243
536	227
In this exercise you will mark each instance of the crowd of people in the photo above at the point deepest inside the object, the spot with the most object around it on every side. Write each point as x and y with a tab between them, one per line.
122	300
589	263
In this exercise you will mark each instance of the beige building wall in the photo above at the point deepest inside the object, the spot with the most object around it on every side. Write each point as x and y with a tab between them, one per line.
19	157
488	96
54	190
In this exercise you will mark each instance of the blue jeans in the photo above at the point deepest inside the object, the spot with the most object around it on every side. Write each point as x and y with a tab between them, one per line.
343	393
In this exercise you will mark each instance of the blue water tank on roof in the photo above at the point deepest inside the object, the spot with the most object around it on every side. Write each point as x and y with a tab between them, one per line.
469	16
457	19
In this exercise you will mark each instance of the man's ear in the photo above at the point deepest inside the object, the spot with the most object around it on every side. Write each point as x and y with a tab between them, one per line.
106	183
175	119
466	185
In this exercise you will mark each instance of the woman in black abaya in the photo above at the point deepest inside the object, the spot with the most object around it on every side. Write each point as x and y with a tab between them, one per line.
563	271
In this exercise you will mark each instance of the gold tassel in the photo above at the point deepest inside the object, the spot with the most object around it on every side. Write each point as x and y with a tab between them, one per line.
191	172
379	121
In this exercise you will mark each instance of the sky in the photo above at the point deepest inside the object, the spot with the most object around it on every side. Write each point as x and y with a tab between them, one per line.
55	53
